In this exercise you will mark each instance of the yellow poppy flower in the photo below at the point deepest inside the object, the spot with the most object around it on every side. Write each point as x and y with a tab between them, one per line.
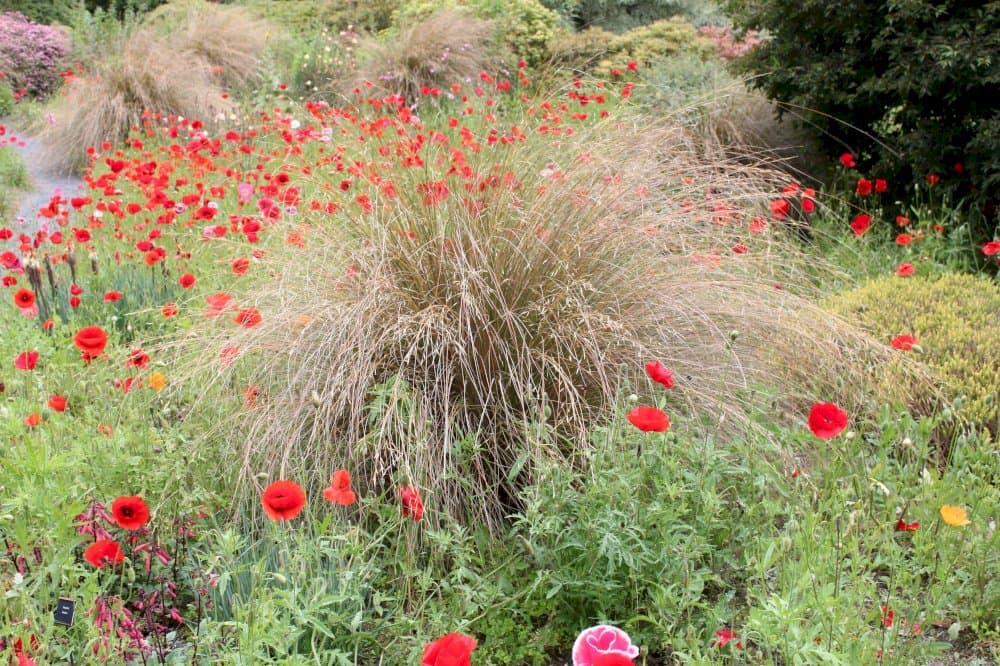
157	381
954	515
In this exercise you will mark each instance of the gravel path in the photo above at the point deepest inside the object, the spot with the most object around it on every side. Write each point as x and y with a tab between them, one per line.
44	183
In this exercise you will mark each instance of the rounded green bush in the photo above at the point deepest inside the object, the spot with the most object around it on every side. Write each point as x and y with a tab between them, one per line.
955	320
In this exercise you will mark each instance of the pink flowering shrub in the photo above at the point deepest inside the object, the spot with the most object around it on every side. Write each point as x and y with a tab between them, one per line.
32	56
727	46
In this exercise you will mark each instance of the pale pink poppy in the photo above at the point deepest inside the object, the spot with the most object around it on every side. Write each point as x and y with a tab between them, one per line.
602	639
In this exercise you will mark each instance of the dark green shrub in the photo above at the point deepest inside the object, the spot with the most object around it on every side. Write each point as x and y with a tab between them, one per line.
909	84
42	11
622	15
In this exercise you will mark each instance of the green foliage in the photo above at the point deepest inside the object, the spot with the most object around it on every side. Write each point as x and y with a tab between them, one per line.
524	27
13	178
6	99
918	78
305	16
43	11
622	15
954	318
649	43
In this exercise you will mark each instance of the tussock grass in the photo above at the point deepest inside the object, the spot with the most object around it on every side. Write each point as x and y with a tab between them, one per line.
148	75
454	345
448	46
230	39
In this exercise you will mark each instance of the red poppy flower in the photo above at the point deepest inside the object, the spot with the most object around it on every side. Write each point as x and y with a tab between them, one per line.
137	359
283	500
169	310
659	374
991	248
339	491
130	512
26	360
241	265
904	342
933	179
187	281
904	239
248	318
451	650
860	224
881	185
33	420
902	220
848	160
103	551
91	340
218	303
57	403
903	526
905	270
75	289
826	420
649	419
724	636
24	298
864	187
112	296
780	208
412	504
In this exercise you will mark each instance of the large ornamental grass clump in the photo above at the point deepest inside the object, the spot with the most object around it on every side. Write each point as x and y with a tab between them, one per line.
487	298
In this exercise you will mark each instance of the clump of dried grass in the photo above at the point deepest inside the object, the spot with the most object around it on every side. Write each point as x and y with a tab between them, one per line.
148	75
231	39
449	46
433	344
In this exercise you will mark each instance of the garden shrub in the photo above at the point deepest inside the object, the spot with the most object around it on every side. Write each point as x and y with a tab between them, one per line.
148	75
32	56
6	98
954	318
580	51
623	15
524	27
304	16
917	77
448	46
43	11
645	44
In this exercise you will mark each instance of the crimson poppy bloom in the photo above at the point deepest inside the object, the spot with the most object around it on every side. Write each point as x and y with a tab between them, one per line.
103	551
827	420
904	342
24	298
649	419
903	526
659	374
248	318
864	187
57	403
33	420
861	224
724	636
904	239
218	303
933	179
451	650
881	185
137	359
780	208
412	504
91	341
130	512
112	296
283	500
848	160
991	248
241	265
26	360
187	281
339	491
905	270
169	310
